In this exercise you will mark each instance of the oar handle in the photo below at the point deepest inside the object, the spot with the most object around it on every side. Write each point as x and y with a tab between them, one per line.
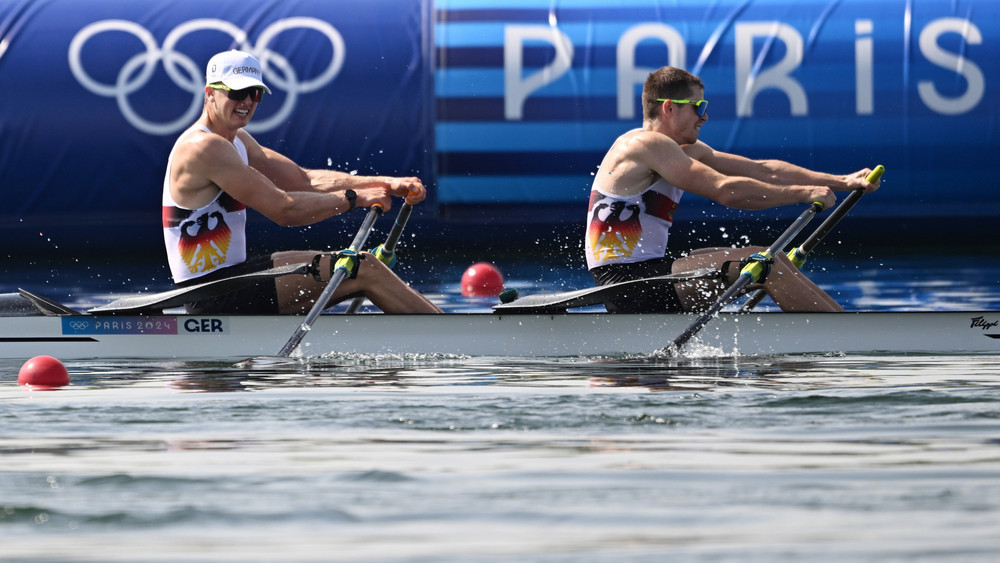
875	174
339	274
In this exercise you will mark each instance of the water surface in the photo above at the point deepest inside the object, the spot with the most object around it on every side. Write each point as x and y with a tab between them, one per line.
453	458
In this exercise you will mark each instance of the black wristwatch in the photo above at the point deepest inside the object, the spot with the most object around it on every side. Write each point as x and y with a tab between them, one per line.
352	198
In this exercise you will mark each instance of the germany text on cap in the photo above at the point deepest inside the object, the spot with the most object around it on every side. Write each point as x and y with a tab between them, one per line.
235	69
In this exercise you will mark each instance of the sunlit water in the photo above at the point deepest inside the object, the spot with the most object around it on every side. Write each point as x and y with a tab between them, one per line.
417	458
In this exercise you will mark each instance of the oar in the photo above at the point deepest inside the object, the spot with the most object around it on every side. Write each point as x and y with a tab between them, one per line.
753	272
342	269
799	254
386	253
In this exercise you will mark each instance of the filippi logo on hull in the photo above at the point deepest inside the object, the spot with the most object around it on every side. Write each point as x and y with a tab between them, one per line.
984	324
189	75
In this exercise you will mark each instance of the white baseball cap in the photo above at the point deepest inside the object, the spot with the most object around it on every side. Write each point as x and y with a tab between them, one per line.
235	69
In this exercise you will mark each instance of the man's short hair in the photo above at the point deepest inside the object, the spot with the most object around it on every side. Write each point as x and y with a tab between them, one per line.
667	82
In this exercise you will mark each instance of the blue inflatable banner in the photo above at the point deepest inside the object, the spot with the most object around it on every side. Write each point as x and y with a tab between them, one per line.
530	94
95	92
503	107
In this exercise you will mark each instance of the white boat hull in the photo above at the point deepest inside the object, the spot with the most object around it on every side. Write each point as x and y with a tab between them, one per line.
486	334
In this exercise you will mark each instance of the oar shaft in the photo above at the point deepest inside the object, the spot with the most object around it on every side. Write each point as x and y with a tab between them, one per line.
826	226
388	248
397	227
331	287
798	255
747	276
731	293
824	229
795	228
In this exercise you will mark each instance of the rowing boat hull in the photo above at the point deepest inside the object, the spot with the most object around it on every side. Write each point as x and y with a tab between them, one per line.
486	334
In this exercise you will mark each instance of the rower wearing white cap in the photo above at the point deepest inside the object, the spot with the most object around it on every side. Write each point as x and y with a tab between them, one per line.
216	170
235	70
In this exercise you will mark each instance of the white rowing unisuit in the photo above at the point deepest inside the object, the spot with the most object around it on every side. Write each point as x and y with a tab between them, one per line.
624	230
201	241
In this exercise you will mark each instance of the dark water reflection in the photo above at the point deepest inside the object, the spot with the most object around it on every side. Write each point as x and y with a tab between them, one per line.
401	372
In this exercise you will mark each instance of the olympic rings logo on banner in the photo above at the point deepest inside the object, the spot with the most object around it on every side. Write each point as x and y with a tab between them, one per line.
189	76
79	325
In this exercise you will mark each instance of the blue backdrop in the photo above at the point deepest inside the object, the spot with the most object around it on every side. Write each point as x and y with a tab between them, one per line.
504	108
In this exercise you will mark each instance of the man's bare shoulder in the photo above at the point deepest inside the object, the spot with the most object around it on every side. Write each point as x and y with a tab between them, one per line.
203	145
698	151
655	149
652	149
204	158
200	163
644	139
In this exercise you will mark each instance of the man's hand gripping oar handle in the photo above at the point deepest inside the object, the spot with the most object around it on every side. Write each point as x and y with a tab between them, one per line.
753	272
386	252
346	263
799	254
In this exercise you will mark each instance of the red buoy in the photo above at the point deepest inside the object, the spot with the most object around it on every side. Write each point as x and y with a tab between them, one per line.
43	372
482	279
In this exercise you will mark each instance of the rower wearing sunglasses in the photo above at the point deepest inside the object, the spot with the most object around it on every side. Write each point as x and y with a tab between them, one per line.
639	185
217	170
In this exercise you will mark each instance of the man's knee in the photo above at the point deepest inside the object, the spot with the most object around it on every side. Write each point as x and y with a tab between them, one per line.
371	269
784	265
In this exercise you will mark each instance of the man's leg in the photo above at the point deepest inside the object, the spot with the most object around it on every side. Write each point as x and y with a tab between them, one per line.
296	294
788	287
793	291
